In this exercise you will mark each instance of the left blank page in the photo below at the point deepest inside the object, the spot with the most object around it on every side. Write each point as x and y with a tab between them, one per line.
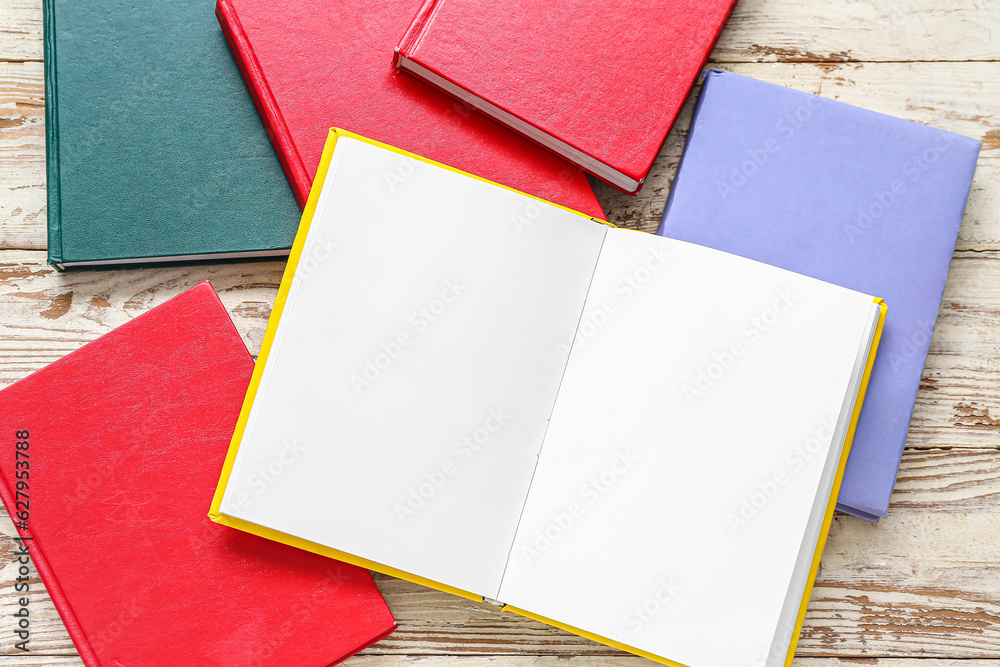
415	367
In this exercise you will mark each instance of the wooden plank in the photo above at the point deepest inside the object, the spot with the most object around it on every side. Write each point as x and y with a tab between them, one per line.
370	660
22	156
21	30
961	97
759	30
367	660
871	30
924	582
48	314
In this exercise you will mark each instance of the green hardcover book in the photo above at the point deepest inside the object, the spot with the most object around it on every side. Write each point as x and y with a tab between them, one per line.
155	151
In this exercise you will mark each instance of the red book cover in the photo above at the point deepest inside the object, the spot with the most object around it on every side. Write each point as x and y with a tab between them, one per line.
317	64
109	460
600	83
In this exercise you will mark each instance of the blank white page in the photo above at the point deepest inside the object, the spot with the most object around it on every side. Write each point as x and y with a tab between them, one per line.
414	368
684	454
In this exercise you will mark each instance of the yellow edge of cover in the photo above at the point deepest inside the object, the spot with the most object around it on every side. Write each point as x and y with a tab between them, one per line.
286	282
272	325
832	504
817	554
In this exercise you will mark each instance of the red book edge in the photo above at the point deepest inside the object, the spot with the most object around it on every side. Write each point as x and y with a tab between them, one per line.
407	47
263	99
37	554
51	584
414	31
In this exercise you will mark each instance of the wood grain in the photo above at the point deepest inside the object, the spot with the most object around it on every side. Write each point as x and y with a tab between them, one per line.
21	30
49	314
960	97
921	589
584	661
925	582
367	660
759	31
22	155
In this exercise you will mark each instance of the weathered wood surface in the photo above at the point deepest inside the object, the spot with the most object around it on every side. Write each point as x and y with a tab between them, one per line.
366	660
924	583
759	31
46	314
963	97
920	590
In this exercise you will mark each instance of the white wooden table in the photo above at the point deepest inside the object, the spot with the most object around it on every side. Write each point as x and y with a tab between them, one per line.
922	589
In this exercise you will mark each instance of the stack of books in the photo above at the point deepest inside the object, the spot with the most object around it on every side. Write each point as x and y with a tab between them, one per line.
470	379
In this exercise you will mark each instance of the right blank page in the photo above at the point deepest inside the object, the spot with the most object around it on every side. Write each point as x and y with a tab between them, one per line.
685	451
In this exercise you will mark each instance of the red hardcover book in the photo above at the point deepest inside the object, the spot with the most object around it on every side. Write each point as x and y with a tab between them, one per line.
318	64
599	83
109	460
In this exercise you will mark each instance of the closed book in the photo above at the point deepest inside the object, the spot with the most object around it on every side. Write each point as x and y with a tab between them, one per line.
476	353
599	83
312	65
153	149
111	456
843	194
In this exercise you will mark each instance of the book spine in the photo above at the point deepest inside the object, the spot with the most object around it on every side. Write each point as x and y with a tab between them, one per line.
263	98
52	587
408	43
53	209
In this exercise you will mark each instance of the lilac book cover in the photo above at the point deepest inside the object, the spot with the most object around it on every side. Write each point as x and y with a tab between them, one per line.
846	195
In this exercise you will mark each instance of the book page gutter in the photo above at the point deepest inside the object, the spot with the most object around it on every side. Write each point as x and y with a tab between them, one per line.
418	362
684	454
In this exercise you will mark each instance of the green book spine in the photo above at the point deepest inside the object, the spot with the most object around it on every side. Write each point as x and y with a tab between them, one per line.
51	136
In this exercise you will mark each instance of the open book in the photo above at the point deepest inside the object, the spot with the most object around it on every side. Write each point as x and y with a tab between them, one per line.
628	436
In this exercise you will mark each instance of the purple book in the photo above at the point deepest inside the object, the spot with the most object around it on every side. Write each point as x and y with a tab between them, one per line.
846	195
